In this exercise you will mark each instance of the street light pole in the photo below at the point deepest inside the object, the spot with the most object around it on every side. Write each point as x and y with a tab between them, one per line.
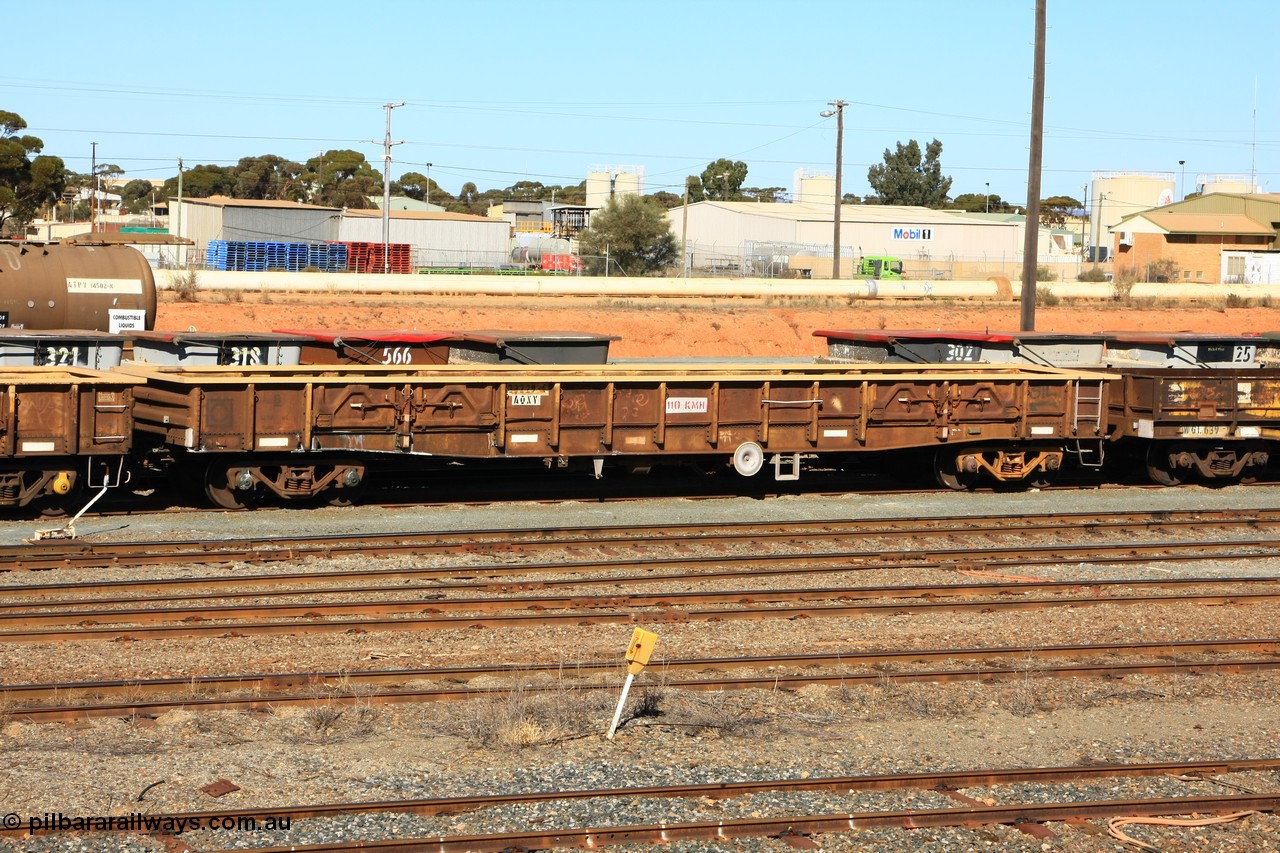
987	198
386	191
1084	217
1182	181
838	112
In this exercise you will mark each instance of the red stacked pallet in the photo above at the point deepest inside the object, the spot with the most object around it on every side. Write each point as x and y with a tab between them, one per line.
368	257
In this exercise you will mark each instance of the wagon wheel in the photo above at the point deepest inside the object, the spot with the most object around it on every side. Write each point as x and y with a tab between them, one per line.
348	495
1159	468
220	491
944	468
1040	480
60	506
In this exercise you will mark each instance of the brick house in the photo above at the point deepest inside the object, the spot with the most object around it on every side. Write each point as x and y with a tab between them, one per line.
1205	237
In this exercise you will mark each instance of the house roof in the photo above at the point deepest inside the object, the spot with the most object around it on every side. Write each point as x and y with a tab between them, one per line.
438	215
227	201
806	211
1203	223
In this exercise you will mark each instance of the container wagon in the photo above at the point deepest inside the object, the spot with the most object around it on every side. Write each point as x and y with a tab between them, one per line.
307	431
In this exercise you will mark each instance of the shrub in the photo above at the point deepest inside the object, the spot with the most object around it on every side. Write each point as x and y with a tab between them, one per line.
1122	284
185	285
1165	269
1093	273
1046	273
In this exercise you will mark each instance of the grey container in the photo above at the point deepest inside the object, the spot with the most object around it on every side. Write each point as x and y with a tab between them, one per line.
1182	349
235	349
921	347
60	348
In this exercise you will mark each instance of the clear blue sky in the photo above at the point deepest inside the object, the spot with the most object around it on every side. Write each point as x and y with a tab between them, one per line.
497	92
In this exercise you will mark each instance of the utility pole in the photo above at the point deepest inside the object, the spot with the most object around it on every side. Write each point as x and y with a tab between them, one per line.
386	190
93	201
838	112
1031	243
684	231
179	251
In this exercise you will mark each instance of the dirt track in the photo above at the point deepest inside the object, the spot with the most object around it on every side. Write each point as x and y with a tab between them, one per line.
668	327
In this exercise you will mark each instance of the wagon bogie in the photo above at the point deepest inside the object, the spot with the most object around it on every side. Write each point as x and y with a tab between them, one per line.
240	482
962	468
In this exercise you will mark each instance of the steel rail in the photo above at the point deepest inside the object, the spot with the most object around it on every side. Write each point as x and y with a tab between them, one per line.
938	780
609	617
53	613
266	690
977	557
799	825
54	555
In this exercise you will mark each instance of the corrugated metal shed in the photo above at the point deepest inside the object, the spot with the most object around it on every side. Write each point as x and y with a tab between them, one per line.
439	239
717	227
252	220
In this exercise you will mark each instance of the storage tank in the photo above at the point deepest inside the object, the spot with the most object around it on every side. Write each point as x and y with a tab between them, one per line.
605	182
105	288
529	249
811	187
1238	184
1119	194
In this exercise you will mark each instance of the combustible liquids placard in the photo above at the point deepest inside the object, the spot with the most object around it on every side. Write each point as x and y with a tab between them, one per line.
121	320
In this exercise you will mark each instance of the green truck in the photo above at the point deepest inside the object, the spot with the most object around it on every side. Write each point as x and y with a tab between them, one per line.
880	266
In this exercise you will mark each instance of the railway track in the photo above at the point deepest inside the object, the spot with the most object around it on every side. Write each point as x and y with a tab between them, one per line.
150	611
81	554
681	571
926	789
847	668
612	615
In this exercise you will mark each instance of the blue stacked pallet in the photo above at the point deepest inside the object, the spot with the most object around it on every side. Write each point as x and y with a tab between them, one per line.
277	255
296	256
255	257
337	257
215	255
243	256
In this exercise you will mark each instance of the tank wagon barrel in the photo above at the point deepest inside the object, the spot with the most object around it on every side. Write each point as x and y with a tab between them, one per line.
108	288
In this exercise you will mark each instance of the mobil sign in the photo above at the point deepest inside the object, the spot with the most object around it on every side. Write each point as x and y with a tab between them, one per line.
906	232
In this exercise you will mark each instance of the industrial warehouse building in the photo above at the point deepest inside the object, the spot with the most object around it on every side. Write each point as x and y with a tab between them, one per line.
795	239
439	239
1227	238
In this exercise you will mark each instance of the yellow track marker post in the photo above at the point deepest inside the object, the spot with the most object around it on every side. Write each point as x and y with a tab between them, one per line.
638	653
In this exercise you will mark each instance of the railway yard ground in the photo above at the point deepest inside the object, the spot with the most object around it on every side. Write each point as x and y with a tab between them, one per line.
840	665
514	649
673	327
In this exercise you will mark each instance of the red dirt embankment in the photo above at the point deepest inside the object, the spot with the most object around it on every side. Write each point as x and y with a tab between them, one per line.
669	327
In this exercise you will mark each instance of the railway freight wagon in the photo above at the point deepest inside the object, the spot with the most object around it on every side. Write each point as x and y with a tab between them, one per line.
62	429
1185	404
1214	424
303	432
